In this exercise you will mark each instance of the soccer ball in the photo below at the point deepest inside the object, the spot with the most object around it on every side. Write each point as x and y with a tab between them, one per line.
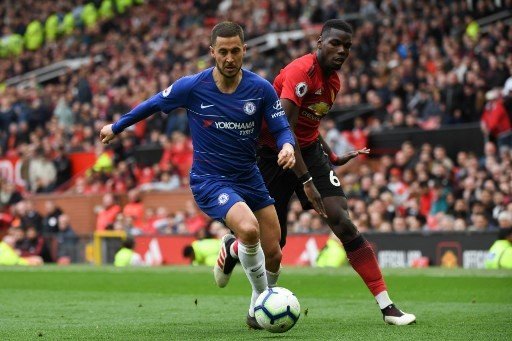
277	310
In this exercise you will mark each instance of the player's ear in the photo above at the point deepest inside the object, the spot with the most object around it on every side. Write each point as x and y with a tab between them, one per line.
212	51
319	43
244	49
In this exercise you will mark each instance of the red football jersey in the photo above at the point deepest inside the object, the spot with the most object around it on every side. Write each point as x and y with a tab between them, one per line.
303	83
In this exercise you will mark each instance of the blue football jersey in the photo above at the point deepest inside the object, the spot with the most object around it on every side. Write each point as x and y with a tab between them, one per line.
224	127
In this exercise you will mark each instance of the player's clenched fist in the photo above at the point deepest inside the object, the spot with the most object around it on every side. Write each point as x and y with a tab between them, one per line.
286	157
106	134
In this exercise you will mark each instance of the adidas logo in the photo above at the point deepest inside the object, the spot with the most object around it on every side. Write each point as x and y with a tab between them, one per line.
318	92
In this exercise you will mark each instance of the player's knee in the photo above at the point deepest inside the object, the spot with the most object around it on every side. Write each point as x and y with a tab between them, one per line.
249	232
342	226
334	218
347	226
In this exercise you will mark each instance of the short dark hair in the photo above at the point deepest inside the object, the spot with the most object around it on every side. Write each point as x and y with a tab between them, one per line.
128	243
226	29
337	24
188	251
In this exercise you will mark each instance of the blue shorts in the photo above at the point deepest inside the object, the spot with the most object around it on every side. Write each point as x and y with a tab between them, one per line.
215	197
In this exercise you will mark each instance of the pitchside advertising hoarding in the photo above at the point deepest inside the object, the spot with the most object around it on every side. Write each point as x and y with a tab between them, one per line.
467	250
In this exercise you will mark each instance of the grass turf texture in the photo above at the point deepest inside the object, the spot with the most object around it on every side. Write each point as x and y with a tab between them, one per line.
182	303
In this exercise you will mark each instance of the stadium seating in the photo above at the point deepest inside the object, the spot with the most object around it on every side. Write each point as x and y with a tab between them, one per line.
407	70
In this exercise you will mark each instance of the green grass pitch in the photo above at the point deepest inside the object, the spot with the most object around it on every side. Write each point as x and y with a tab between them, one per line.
182	303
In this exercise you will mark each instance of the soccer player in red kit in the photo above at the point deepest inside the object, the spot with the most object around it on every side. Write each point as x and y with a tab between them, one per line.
307	88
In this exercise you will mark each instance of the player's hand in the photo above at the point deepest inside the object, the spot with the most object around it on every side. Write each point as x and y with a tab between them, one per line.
286	157
106	134
314	198
339	161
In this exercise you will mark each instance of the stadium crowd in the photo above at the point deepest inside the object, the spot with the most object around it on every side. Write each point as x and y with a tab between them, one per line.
418	64
32	238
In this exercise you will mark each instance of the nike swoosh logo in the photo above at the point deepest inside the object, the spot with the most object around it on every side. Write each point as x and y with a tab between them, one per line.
206	106
254	270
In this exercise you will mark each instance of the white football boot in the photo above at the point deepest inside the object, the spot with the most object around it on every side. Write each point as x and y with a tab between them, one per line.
393	315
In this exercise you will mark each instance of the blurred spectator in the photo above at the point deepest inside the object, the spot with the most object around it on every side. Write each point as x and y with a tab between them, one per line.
303	224
126	256
167	182
500	253
161	222
42	173
8	194
5	219
178	151
51	218
25	215
479	222
62	166
205	250
194	220
33	244
495	121
67	241
9	256
106	214
134	208
332	254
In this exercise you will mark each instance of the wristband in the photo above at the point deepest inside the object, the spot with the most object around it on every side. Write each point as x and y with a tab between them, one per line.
333	157
308	180
305	178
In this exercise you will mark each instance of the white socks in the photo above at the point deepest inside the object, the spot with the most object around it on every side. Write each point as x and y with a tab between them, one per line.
383	299
272	277
253	262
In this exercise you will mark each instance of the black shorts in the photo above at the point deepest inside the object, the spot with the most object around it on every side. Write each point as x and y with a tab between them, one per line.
282	183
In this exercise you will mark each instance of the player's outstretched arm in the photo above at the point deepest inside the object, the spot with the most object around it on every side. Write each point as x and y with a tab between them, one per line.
300	169
140	112
350	155
341	160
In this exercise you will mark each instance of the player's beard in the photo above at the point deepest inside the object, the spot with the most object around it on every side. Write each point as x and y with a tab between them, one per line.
221	70
336	64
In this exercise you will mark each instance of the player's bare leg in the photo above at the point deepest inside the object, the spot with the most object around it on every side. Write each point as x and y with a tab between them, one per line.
243	222
362	258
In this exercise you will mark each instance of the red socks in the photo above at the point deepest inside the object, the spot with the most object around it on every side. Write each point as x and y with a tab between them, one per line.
362	258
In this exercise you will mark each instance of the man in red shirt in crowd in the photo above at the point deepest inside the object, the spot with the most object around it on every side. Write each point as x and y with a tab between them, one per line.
134	208
495	119
108	212
308	87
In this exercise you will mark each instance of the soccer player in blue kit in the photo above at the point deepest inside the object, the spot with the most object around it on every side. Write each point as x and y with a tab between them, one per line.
225	107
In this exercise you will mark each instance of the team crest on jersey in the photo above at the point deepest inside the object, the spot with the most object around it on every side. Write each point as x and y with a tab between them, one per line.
249	108
320	109
167	91
301	89
223	198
